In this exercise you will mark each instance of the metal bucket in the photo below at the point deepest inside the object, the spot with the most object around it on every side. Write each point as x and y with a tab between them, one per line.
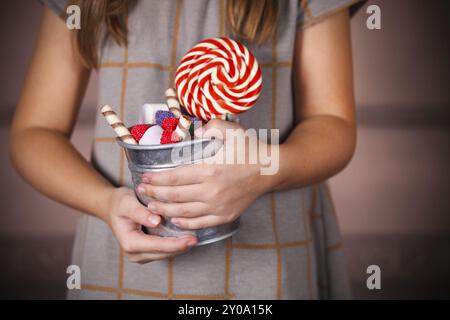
143	159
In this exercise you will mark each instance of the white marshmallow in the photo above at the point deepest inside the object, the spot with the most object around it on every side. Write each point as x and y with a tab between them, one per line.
152	136
148	111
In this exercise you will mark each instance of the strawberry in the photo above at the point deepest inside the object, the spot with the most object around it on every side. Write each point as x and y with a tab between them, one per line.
137	131
169	124
168	136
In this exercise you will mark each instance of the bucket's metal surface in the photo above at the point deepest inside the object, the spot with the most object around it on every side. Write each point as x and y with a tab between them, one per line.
143	159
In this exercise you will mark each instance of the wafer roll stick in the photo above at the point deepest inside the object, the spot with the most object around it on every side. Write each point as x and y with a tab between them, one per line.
118	126
172	102
182	129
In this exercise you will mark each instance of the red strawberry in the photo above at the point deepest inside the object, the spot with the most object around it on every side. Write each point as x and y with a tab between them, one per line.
138	131
168	136
169	124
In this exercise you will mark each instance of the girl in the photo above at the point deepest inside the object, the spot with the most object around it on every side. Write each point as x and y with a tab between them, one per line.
288	246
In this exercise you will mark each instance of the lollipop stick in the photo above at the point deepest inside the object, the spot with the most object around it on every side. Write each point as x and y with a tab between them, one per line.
118	126
232	118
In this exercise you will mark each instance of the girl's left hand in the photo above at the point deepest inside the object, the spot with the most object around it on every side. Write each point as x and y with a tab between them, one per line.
204	195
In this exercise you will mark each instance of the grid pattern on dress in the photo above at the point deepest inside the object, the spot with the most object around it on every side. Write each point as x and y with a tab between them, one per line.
274	64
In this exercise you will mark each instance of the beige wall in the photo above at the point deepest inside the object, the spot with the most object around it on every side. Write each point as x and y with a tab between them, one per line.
405	65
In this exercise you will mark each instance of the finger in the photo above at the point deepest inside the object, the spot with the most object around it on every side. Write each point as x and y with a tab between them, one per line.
191	193
143	216
198	223
183	210
185	175
139	242
216	128
143	258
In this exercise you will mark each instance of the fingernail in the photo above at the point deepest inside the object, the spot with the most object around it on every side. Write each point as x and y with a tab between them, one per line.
154	220
141	189
145	179
175	221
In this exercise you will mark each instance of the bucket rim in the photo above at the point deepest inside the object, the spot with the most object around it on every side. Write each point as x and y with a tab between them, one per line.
162	146
144	168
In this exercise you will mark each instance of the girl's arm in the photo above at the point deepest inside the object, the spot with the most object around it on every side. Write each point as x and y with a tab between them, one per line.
321	144
324	140
45	117
42	153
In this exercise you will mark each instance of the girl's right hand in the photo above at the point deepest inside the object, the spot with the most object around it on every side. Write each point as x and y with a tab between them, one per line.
126	215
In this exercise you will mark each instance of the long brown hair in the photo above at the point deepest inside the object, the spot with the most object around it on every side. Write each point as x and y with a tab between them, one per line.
252	20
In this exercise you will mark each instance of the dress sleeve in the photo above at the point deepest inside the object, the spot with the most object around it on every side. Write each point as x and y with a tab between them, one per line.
311	12
57	6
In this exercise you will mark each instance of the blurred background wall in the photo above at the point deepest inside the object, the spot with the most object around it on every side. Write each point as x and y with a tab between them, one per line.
392	200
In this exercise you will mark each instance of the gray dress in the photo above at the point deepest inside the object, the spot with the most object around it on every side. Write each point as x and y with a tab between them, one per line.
289	245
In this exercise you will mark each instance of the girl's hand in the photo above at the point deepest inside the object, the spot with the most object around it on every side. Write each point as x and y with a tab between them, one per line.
204	195
126	216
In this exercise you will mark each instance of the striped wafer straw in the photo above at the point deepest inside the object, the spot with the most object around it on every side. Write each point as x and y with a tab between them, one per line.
182	129
172	102
118	126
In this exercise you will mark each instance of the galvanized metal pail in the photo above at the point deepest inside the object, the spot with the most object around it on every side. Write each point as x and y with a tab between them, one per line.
143	159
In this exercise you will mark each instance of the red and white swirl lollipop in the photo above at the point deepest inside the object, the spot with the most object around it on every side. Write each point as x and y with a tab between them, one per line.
216	77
